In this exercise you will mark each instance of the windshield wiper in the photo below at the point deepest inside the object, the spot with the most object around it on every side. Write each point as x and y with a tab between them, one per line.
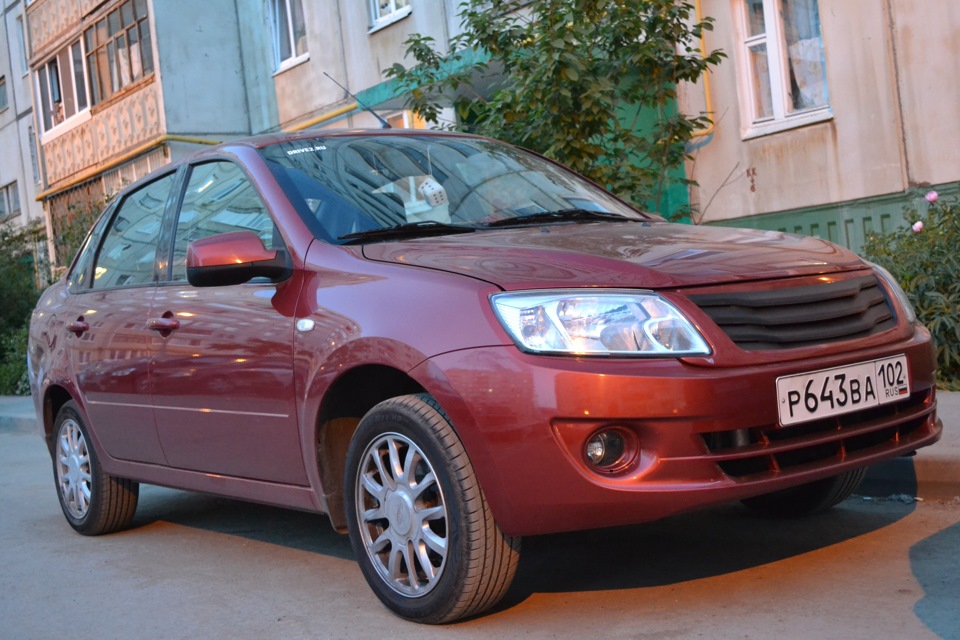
561	215
407	230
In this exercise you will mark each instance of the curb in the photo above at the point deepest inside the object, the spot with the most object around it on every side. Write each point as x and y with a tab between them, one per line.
927	478
17	414
17	424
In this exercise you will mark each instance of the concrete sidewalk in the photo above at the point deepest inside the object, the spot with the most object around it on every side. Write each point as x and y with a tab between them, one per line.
932	474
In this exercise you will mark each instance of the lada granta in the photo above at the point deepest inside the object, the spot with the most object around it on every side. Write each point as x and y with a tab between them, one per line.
445	343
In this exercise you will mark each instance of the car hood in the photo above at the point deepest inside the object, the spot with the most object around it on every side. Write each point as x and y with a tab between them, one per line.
612	254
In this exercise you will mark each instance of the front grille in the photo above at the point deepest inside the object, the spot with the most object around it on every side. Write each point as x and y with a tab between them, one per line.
750	452
791	317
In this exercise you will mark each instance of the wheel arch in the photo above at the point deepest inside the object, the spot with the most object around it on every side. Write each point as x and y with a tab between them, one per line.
345	402
54	397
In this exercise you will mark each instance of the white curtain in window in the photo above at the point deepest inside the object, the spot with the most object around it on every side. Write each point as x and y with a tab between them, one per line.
807	71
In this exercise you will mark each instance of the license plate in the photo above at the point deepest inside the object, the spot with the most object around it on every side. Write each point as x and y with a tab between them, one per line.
830	392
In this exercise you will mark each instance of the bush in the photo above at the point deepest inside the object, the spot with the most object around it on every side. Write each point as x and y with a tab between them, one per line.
19	249
924	258
13	359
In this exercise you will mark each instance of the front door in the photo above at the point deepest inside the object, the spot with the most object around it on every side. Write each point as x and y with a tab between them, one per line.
222	376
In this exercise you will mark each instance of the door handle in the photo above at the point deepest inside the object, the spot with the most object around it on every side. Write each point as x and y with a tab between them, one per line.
78	326
164	325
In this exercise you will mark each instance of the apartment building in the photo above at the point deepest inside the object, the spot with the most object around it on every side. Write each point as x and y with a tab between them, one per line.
124	86
830	117
20	176
828	120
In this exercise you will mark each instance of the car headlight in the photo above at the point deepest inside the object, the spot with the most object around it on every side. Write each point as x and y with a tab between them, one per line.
597	322
897	290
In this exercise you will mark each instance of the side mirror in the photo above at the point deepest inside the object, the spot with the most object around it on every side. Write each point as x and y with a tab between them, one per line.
234	258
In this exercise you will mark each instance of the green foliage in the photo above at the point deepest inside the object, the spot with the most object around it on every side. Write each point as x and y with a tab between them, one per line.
589	83
18	290
72	229
13	359
927	265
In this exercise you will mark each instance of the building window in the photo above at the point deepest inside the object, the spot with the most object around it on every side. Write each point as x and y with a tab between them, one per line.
406	120
290	32
782	65
21	37
34	161
384	12
62	84
9	202
119	50
3	93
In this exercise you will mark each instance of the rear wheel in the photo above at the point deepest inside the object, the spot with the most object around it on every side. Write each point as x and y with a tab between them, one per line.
419	523
808	498
92	501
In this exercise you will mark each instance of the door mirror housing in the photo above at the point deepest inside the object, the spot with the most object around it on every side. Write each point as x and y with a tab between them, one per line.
234	258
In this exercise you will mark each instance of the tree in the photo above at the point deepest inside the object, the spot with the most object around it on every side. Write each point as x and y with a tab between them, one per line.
589	83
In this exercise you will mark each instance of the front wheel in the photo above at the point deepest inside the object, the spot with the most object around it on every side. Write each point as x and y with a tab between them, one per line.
808	498
92	501
419	523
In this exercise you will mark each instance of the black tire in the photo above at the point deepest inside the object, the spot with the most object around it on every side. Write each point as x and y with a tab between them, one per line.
93	502
425	511
808	498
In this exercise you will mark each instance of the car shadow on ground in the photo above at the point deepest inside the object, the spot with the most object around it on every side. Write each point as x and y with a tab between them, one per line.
310	532
935	562
713	542
718	541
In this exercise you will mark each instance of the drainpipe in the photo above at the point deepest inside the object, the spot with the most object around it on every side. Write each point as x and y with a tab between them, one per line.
706	79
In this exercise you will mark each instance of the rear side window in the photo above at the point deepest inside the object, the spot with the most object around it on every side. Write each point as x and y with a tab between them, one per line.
129	246
219	199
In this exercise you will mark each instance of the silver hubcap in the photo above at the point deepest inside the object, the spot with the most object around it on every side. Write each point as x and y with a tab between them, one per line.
402	515
73	469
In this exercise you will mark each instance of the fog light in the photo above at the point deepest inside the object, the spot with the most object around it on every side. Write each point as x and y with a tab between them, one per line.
610	449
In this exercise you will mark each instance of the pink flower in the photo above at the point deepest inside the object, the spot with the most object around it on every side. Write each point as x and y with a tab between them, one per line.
932	196
918	225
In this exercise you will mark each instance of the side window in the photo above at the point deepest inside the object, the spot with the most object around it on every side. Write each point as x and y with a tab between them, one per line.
129	246
78	278
219	199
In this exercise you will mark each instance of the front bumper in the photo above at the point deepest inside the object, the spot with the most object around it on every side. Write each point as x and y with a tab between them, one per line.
707	434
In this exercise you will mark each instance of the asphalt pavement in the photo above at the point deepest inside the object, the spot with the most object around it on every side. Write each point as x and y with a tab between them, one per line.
932	474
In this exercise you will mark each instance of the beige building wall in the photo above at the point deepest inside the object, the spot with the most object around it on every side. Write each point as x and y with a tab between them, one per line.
926	38
343	43
890	66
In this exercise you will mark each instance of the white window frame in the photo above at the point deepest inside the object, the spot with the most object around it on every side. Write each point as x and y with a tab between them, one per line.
282	64
773	38
4	96
81	115
380	18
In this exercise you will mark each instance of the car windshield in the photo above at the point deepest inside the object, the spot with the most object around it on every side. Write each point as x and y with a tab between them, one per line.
358	188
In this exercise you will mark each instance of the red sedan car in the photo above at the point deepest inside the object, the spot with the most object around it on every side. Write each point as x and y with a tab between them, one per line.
446	343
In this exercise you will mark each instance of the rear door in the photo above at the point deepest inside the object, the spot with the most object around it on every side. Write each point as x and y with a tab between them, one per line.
222	377
107	334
